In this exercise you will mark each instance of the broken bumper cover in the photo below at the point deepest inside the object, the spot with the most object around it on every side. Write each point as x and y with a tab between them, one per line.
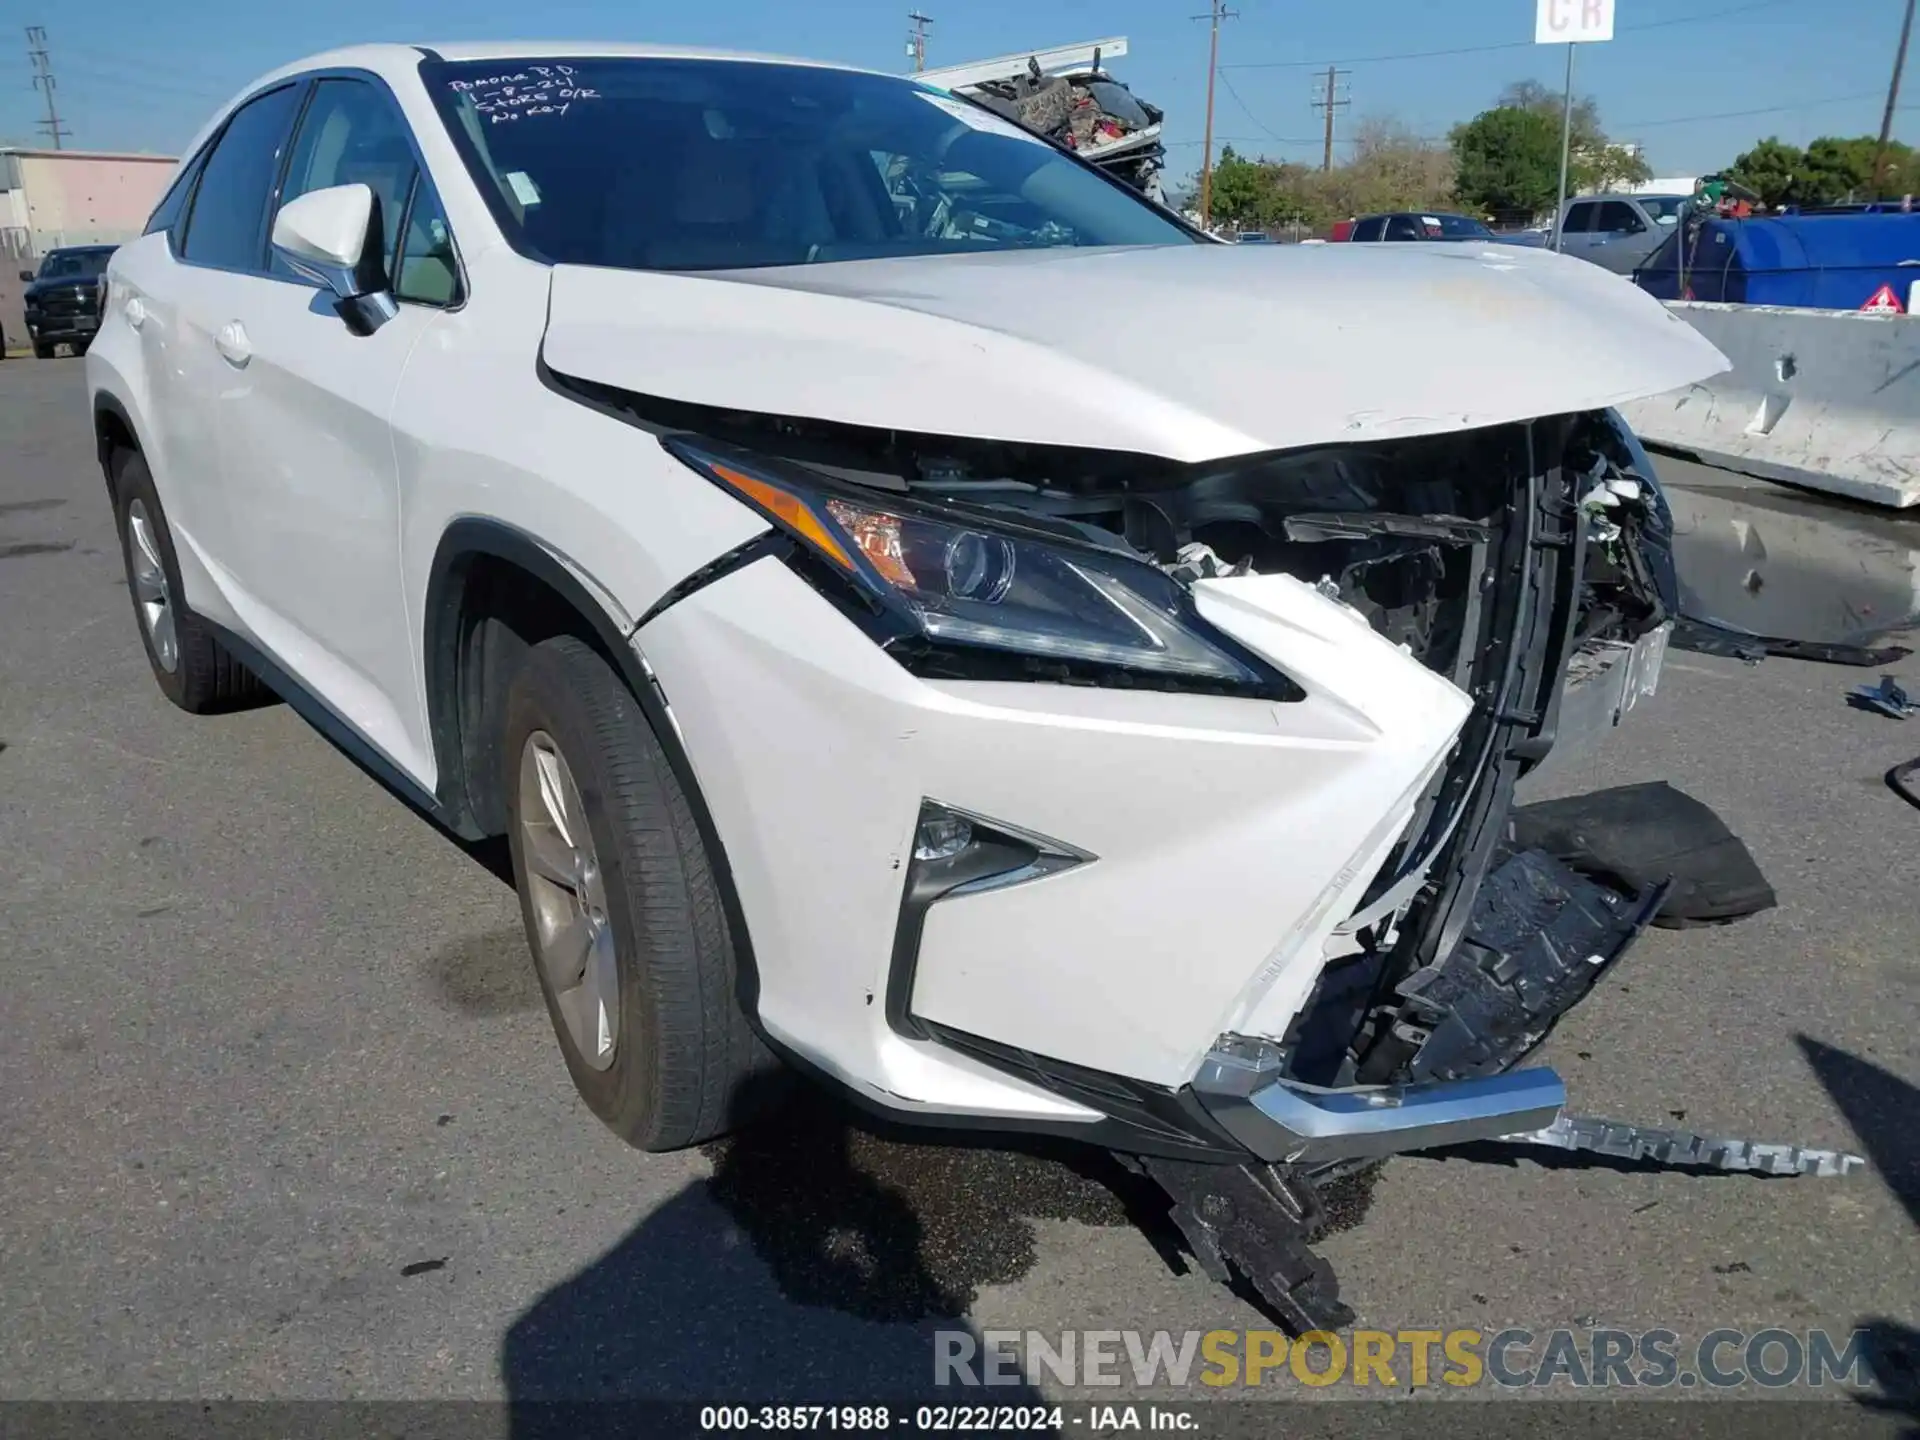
1277	1120
1282	1122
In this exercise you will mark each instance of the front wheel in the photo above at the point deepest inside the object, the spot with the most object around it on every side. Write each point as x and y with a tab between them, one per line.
622	908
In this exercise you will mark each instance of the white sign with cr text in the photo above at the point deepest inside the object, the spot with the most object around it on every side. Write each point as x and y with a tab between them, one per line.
1558	22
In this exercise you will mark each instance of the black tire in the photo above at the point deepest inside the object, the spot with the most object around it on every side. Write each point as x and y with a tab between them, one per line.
698	1069
42	351
205	679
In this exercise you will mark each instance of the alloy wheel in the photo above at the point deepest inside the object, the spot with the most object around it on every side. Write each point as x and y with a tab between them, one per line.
573	938
152	596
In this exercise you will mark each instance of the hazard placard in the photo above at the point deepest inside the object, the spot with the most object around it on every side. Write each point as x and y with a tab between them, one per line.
1884	302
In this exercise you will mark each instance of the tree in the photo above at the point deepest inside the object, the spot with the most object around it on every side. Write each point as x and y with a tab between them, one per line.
1507	161
1532	95
1770	169
1833	170
1239	193
1607	167
1593	161
1390	168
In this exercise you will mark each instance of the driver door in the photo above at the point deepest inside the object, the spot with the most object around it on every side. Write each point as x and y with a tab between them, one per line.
307	448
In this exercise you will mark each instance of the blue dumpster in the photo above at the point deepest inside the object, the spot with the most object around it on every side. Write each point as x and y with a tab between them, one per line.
1820	262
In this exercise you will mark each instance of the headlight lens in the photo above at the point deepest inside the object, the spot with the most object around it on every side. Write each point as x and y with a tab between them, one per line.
986	584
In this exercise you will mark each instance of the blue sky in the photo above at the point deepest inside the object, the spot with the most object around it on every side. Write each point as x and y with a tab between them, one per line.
142	74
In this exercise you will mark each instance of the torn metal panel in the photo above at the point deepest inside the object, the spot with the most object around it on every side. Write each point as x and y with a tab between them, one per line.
1605	681
1681	1148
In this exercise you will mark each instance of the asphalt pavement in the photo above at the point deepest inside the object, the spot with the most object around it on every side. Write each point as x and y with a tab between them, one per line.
281	1114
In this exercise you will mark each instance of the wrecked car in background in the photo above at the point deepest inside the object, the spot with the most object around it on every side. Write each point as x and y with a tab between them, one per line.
869	662
1068	96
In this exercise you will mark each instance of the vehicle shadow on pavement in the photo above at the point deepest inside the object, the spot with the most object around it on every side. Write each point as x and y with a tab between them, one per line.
1884	1112
816	1265
1893	1355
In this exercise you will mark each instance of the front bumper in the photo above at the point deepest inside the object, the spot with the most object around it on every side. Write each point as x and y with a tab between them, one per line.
1228	838
1243	1085
48	329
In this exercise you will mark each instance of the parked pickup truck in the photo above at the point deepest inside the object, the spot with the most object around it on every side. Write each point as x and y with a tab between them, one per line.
63	298
1617	232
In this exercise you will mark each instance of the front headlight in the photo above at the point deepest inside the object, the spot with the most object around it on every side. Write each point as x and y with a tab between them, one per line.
949	582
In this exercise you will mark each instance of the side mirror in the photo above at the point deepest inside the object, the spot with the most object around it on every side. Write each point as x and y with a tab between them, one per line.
27	275
333	237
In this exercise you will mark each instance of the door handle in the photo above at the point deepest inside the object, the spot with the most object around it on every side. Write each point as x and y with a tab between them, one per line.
136	312
231	342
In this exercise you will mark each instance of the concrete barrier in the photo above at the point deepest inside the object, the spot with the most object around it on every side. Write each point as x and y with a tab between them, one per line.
1828	399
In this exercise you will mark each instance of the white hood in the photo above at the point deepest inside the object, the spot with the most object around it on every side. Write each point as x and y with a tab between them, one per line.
1187	352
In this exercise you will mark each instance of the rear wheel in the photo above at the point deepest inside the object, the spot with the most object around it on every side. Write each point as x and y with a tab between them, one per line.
42	351
193	669
622	909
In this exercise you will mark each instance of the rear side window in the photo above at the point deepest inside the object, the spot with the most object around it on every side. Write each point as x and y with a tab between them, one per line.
225	225
352	134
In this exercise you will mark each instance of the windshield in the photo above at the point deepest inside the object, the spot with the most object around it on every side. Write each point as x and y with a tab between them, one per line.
74	264
1459	227
1662	209
672	164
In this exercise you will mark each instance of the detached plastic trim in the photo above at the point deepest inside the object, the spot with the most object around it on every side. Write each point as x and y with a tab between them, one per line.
1240	1085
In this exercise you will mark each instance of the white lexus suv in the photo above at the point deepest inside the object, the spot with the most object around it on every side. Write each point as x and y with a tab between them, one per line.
918	611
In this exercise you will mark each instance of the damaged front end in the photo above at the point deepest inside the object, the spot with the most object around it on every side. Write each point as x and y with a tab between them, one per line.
1526	565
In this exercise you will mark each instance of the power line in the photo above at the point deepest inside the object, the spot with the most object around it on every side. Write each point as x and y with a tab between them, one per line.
134	76
1746	9
1259	124
42	64
1278	139
1744	114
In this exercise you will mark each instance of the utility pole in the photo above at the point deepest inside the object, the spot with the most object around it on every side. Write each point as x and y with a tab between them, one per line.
1566	153
1216	12
43	82
1893	98
917	39
1331	102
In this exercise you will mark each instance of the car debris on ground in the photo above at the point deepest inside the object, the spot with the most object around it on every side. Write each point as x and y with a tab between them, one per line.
1706	637
1888	698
